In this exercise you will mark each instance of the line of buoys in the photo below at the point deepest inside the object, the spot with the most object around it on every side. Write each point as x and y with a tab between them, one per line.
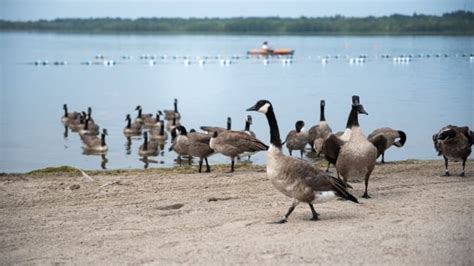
401	59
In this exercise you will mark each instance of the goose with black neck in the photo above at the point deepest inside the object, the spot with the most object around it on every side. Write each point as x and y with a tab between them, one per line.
297	178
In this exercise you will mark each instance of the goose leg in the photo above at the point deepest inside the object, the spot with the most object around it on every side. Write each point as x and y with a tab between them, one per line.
446	166
208	169
313	211
232	166
302	152
383	157
463	166
189	159
327	169
366	195
200	165
289	151
284	219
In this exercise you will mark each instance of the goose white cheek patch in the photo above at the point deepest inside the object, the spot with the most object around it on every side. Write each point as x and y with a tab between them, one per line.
264	108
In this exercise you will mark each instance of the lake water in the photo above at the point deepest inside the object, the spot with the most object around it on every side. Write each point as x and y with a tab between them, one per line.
418	97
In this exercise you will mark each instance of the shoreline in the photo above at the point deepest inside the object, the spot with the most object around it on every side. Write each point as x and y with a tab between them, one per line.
180	216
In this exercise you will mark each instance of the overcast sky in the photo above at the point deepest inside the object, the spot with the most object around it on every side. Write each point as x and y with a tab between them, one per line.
50	9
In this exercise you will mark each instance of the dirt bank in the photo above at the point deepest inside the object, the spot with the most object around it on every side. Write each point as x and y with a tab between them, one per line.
415	216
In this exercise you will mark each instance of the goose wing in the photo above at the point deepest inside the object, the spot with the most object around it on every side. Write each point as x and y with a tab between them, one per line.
380	142
324	182
331	147
240	142
210	129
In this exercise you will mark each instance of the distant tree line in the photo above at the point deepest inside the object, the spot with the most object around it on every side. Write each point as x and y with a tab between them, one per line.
458	22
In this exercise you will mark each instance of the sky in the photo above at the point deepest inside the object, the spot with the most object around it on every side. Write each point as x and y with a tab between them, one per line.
51	9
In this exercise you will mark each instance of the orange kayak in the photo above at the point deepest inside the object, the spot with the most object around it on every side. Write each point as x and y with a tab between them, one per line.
280	51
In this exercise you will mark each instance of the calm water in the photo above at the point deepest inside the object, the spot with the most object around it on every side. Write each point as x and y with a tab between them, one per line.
418	97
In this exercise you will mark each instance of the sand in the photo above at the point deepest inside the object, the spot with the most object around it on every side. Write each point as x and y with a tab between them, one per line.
415	216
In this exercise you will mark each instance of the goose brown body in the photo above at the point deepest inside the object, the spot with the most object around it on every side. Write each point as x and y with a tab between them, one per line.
454	143
383	138
297	178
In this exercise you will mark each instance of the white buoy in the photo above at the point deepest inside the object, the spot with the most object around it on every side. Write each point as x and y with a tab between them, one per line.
187	62
151	62
201	62
265	62
324	61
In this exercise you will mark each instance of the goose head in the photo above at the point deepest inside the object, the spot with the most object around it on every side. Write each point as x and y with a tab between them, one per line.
261	106
139	107
128	118
249	119
357	106
181	131
446	134
299	125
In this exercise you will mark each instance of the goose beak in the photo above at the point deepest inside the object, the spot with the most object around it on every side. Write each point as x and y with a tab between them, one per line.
253	108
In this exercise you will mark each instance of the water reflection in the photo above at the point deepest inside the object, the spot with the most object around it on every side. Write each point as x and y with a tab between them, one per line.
104	160
66	131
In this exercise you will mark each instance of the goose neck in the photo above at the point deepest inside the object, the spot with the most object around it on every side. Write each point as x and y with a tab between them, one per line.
102	140
274	131
353	120
322	117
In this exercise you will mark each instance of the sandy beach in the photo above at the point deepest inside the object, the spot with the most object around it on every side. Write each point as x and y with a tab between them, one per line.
178	216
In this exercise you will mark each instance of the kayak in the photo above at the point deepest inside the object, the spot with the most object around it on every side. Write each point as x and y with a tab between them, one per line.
280	51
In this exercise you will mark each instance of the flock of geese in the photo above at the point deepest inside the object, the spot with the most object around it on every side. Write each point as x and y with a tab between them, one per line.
352	154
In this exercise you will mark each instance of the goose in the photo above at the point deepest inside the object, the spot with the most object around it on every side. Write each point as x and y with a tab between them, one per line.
132	129
357	156
294	177
181	150
148	148
297	138
172	124
209	129
454	143
69	117
194	144
159	133
90	128
141	116
247	130
170	114
233	143
94	143
391	136
151	122
77	124
89	114
317	134
333	143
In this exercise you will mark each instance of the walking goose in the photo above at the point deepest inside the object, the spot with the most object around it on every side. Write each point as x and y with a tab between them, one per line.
357	156
170	114
69	117
94	143
296	178
132	129
210	130
454	143
148	148
333	143
193	144
233	143
297	139
391	136
318	133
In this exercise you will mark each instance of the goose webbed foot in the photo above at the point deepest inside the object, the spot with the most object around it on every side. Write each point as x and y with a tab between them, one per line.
281	221
366	196
462	174
313	211
446	174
